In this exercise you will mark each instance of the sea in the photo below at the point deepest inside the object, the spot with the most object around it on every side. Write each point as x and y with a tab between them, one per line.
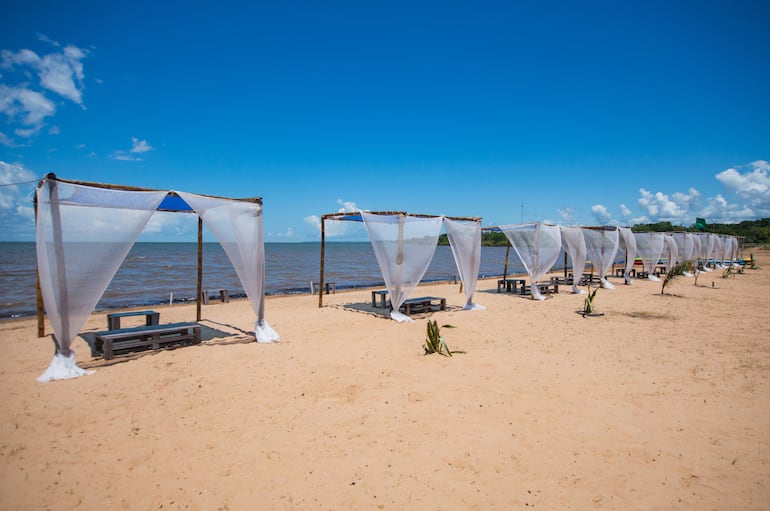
162	273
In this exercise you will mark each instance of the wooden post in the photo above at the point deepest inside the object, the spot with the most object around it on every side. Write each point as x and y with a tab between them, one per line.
565	267
38	291
505	266
200	270
321	276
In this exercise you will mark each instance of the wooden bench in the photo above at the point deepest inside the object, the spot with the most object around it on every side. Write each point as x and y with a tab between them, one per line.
546	288
143	337
510	285
113	319
423	304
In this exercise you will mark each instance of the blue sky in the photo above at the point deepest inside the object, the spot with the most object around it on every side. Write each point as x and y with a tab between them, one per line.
587	112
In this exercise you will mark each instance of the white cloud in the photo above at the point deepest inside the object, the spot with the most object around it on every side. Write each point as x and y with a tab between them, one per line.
625	211
27	100
335	228
719	210
678	208
288	234
137	147
601	213
752	186
566	214
32	107
16	211
140	146
54	130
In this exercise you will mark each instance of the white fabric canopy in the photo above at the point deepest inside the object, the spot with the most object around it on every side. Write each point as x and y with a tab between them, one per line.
601	249
538	246
465	240
716	251
83	234
575	245
671	250
237	225
627	243
685	244
649	247
404	246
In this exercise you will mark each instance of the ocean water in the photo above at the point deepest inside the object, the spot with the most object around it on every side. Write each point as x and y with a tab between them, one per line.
153	271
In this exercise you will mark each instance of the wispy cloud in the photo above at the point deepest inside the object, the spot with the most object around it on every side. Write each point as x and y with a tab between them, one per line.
601	213
33	82
334	228
140	146
16	210
137	147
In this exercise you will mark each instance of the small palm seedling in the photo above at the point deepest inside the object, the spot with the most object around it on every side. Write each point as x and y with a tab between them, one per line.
677	271
434	343
589	308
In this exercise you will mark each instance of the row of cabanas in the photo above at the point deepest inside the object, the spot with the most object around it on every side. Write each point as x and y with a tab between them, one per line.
84	231
539	246
404	245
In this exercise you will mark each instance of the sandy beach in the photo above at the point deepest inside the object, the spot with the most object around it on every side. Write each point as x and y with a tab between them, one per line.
661	403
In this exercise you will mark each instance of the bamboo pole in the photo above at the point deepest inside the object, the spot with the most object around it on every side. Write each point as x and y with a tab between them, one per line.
38	290
321	275
200	271
505	266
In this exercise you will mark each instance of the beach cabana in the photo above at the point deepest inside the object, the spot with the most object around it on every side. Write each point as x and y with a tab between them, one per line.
84	231
627	243
575	246
538	246
601	249
404	245
649	247
671	249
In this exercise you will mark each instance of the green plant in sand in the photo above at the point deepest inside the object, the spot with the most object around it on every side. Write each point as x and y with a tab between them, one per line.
434	343
677	271
588	305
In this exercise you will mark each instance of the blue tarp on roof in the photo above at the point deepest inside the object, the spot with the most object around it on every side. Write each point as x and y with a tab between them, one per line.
173	202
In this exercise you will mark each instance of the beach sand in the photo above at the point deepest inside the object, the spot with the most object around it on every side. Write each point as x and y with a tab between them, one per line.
662	403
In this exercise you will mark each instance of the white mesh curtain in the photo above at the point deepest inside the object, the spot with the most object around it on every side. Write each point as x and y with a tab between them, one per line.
83	234
649	247
696	248
601	249
404	246
671	250
575	245
734	254
237	225
538	246
716	251
465	240
686	248
627	243
685	244
727	251
708	248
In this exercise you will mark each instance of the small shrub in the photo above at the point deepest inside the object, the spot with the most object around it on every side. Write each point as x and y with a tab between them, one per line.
434	343
588	306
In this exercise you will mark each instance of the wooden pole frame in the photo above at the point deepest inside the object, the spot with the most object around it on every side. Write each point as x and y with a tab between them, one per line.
356	217
51	178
